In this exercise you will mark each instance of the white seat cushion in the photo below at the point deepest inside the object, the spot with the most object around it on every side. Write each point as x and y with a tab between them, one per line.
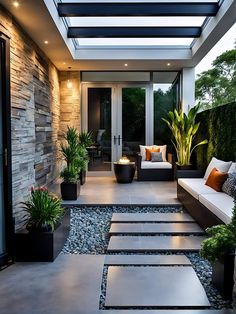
219	204
196	187
156	165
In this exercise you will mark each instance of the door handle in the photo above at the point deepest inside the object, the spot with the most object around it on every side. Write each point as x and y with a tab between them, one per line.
114	140
119	138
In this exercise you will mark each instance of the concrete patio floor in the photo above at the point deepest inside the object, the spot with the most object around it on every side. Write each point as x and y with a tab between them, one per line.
105	190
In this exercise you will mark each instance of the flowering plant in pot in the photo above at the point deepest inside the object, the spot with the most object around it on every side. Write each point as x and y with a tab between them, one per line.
219	249
47	228
43	210
184	129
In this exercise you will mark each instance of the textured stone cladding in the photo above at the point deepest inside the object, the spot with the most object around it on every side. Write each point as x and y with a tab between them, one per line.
35	109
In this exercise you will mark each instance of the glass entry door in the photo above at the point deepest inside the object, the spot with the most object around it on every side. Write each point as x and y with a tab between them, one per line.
116	116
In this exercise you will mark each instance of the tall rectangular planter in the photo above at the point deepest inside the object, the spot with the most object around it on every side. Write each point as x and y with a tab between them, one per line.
41	246
223	276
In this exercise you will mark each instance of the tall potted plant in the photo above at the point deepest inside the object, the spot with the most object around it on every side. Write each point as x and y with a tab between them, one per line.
70	187
85	140
219	249
47	227
184	129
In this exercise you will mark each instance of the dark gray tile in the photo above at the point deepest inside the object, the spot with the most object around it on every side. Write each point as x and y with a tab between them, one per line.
154	243
152	217
155	228
162	287
147	260
70	285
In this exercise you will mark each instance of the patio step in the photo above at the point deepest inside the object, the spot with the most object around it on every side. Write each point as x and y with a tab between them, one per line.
150	217
154	228
155	243
148	260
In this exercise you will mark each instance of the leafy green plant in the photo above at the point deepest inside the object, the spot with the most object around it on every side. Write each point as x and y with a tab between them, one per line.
184	129
70	174
71	150
222	240
86	139
44	210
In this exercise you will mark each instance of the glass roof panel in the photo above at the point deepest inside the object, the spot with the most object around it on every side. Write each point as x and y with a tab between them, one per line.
129	42
136	21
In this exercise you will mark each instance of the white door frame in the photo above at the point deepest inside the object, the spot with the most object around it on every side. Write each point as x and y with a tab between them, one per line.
116	115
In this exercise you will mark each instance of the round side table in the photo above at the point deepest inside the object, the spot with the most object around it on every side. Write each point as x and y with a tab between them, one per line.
124	172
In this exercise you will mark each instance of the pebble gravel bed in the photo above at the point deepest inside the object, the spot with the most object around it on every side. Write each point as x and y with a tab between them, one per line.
88	235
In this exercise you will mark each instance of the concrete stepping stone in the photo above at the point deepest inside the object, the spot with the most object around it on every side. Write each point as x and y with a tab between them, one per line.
151	260
151	217
155	228
155	243
161	287
167	312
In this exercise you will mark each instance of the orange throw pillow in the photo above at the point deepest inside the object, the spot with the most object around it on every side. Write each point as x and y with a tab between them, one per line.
216	179
149	151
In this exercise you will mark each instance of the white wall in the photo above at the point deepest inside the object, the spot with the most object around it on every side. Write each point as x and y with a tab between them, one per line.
188	89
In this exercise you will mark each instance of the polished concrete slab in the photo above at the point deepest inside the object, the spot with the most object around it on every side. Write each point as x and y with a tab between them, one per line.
155	228
70	285
152	287
150	260
155	243
151	217
105	190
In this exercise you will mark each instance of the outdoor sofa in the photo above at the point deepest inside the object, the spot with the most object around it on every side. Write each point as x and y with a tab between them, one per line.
206	205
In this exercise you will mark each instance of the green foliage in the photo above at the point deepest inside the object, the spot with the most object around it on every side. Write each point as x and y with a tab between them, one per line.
221	242
86	139
218	125
184	129
70	174
44	210
217	86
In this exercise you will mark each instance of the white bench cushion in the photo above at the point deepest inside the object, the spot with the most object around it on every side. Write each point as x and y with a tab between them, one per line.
219	204
156	165
196	186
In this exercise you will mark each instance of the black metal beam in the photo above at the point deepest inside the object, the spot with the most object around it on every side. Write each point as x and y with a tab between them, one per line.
138	9
133	32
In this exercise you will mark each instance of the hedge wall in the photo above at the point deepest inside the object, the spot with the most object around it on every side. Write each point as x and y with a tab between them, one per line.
218	125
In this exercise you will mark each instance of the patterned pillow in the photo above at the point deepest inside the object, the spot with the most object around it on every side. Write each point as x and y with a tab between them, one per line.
229	187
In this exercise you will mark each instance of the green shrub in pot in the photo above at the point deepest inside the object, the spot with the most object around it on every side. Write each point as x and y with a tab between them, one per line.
43	210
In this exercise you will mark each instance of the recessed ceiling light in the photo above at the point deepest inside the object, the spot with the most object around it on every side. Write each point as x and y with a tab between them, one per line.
46	42
15	4
126	64
64	62
168	64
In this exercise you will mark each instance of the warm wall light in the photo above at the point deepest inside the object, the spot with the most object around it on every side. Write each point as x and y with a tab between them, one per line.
46	42
15	4
126	64
69	84
168	64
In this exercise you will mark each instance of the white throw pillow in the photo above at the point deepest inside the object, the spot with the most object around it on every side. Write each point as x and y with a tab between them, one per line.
143	151
220	165
232	168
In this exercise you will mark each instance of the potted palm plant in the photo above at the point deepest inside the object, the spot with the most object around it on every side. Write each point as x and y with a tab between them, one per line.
70	187
85	141
184	129
47	227
219	249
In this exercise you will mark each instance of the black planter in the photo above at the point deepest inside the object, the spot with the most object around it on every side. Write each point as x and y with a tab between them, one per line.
70	191
186	167
190	173
223	276
41	246
82	177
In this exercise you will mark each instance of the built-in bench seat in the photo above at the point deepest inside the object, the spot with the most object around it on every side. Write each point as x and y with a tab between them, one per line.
156	165
206	205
